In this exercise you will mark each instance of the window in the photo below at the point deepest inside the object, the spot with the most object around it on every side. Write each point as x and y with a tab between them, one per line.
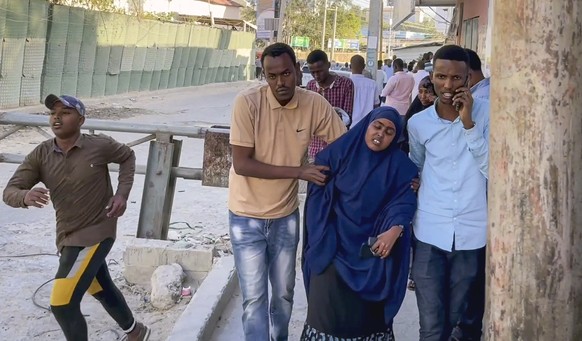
471	33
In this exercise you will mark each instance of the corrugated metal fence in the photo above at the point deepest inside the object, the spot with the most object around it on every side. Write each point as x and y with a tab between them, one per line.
65	50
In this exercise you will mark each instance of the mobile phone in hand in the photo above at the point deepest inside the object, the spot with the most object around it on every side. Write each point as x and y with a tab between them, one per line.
366	248
459	105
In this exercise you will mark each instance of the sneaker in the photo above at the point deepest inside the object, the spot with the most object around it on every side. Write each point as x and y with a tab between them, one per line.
144	333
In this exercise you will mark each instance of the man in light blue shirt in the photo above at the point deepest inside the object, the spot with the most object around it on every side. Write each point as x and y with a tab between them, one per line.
449	144
471	321
480	86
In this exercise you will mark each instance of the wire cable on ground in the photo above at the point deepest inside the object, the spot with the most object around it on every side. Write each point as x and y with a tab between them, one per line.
188	226
36	304
33	297
28	255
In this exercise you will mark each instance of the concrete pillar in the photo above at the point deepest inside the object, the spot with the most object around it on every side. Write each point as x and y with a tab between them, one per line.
534	274
374	29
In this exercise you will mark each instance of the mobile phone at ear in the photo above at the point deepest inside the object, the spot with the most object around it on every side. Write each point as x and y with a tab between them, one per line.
459	105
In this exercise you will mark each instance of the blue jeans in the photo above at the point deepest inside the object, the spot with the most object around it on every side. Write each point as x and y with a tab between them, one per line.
445	283
471	323
265	250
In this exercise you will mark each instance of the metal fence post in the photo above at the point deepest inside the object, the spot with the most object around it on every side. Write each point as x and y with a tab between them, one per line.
157	181
170	190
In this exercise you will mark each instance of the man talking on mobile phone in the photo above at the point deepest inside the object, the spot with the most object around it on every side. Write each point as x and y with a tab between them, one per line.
449	144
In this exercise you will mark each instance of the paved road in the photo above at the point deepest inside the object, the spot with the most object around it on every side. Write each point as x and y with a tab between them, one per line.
230	326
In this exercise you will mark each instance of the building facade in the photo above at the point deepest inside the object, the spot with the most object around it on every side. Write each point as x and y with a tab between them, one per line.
471	27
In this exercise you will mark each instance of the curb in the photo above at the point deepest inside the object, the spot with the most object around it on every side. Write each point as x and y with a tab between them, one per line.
200	317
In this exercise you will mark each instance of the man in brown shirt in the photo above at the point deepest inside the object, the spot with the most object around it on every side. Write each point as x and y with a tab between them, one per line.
73	167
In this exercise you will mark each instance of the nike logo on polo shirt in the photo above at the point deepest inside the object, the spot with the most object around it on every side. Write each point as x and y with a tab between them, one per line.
300	130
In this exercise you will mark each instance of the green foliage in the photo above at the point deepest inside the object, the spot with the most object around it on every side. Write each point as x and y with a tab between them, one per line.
249	13
428	27
158	16
97	5
260	44
305	18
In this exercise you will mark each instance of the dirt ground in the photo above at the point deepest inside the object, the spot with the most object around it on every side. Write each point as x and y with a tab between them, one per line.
199	216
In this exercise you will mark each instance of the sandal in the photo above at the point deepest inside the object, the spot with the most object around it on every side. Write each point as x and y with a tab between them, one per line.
411	285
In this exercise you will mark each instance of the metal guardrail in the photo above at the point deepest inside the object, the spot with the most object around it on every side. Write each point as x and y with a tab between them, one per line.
160	172
30	120
179	172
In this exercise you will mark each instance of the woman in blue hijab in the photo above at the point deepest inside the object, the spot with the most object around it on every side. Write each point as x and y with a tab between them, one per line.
355	286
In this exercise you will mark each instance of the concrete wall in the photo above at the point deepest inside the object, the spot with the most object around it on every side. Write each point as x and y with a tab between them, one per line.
58	49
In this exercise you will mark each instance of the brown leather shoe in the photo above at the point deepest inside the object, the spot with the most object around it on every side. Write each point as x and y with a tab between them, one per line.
143	333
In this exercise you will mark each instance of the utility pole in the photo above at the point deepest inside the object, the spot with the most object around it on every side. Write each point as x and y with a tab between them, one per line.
282	8
210	14
381	39
374	28
390	40
333	36
277	11
324	23
534	270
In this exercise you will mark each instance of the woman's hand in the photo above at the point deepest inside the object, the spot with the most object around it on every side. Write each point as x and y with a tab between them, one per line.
386	241
415	185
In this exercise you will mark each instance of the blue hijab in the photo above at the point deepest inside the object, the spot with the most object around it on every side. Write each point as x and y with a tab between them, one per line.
367	193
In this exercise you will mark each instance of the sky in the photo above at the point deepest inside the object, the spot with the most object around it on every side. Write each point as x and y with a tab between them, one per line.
361	3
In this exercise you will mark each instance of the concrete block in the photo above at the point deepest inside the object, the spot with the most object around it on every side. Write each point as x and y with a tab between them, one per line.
143	256
200	317
141	275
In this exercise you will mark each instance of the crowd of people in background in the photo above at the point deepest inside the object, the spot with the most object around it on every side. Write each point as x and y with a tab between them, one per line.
397	166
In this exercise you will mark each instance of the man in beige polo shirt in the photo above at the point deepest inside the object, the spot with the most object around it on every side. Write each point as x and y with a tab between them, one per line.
270	131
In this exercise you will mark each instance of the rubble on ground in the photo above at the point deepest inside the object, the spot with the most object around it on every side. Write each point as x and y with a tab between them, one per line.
167	286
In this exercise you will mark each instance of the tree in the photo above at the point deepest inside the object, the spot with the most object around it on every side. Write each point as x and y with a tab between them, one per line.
299	21
305	18
98	5
260	44
249	13
428	27
348	26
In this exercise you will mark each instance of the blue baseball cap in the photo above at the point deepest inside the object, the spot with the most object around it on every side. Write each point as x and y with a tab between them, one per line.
68	102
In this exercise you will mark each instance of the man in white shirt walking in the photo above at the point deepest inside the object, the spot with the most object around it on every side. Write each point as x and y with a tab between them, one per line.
480	86
366	93
449	144
381	79
388	69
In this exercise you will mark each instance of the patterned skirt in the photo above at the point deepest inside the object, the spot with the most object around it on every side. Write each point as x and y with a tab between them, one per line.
336	313
312	334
